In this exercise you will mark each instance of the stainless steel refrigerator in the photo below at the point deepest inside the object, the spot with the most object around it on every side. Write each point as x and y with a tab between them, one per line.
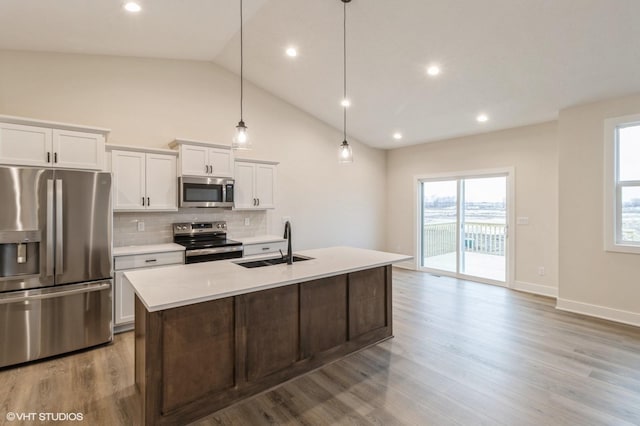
55	262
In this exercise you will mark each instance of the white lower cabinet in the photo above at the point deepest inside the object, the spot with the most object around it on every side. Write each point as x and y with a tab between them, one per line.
123	294
253	249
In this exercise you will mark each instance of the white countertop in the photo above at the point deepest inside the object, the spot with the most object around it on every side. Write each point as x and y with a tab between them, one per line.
146	249
259	239
181	285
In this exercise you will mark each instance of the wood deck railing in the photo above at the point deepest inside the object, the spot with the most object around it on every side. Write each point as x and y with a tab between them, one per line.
486	238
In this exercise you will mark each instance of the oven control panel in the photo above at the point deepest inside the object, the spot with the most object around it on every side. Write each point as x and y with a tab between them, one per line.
193	228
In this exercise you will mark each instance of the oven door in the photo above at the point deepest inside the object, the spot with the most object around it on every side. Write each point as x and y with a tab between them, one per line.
206	192
211	254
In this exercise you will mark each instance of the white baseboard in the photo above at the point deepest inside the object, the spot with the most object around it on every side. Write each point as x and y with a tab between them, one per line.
542	290
617	315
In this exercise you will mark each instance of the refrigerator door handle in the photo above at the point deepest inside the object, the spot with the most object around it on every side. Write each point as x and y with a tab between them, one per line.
59	225
49	256
58	293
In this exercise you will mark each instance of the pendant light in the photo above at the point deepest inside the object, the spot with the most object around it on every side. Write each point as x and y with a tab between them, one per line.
345	154
241	139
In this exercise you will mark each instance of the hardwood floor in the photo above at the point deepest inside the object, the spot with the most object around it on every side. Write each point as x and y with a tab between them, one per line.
463	354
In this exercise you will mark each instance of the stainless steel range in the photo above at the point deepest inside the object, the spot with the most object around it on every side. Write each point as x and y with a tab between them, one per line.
206	241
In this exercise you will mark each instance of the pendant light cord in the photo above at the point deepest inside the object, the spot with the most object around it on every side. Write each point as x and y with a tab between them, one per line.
344	63
241	62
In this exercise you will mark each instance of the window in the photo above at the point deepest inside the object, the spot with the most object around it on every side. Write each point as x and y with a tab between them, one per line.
622	190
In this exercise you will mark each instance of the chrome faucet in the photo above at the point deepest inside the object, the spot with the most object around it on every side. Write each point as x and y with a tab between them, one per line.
287	235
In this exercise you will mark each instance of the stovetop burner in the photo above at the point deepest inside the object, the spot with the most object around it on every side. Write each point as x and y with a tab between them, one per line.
192	244
206	241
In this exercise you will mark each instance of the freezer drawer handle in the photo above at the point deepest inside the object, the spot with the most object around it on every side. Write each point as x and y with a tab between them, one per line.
53	294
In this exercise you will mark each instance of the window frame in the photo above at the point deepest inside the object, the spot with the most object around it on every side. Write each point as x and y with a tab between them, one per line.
613	186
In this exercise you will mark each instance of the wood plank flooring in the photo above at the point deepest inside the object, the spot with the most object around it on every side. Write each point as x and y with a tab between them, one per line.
463	354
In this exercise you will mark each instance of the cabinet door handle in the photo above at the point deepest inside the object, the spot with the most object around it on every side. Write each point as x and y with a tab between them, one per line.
55	157
148	202
48	157
258	201
254	201
143	201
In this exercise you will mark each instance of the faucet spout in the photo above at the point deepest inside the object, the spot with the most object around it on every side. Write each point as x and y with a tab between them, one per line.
287	235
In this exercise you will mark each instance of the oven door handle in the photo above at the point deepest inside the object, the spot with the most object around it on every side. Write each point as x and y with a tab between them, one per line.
201	252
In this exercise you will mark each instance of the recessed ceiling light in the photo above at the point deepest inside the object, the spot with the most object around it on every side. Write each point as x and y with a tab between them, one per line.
292	52
132	7
397	136
482	118
345	103
433	70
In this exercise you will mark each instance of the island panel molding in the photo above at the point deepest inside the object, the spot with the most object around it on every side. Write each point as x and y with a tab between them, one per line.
193	360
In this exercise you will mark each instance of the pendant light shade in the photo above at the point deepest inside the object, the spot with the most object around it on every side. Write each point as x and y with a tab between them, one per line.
241	139
345	153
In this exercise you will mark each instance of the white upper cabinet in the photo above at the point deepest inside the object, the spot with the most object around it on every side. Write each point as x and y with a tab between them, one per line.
255	185
45	145
78	150
203	159
129	180
25	145
162	182
244	189
143	180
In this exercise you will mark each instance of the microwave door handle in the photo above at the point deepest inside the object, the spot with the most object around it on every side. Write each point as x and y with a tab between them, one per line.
59	225
49	248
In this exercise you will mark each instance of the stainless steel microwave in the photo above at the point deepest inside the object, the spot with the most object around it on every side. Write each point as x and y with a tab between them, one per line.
206	191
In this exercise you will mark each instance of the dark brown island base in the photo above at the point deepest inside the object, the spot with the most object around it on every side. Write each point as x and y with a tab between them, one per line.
193	360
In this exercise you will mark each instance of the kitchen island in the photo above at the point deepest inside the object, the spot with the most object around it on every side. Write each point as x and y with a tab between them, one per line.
210	334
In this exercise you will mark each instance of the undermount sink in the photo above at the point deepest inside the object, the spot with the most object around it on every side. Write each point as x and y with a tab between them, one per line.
270	262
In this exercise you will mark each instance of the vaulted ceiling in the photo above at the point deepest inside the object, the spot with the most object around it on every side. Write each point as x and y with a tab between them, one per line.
518	61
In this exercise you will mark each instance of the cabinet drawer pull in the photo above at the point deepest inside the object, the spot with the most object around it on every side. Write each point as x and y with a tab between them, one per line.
151	260
266	248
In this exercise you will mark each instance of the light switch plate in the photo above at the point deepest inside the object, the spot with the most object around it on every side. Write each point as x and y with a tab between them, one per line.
247	221
140	226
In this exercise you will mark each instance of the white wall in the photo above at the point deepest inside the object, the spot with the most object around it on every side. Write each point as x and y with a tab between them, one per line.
149	102
592	281
531	150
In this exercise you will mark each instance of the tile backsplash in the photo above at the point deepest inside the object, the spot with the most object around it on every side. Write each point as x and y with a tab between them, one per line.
157	226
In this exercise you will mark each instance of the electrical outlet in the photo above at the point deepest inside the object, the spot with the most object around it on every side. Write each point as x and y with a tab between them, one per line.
140	226
286	219
247	221
541	271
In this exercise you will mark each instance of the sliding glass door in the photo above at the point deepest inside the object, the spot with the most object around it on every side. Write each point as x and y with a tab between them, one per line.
464	226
